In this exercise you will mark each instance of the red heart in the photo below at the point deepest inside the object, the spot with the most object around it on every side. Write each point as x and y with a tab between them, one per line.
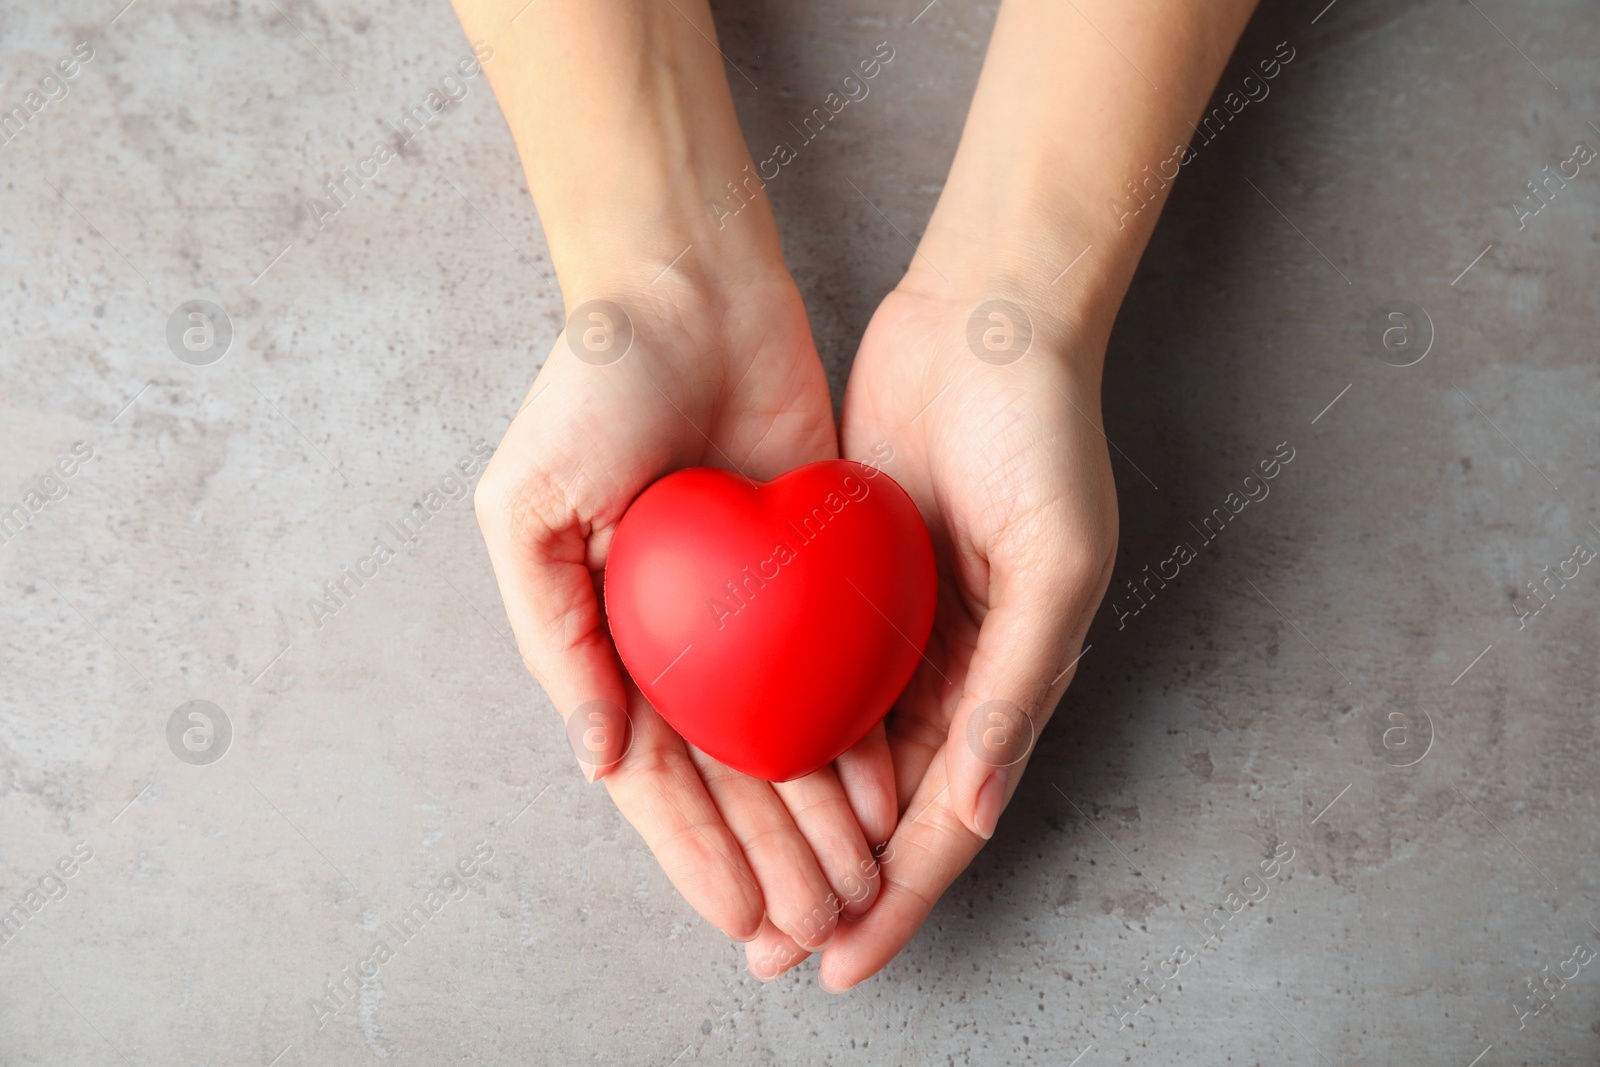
772	624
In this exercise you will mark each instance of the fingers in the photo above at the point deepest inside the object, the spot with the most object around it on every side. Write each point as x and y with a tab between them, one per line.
920	724
824	817
658	789
799	900
930	847
1027	646
772	952
866	772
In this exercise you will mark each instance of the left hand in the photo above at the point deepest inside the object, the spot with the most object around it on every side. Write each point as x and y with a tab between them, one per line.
1008	465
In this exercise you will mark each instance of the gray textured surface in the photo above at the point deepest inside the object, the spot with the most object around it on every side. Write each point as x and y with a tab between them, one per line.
371	754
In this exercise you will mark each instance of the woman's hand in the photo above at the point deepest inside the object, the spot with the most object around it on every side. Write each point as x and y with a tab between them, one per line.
725	379
1005	458
686	344
977	387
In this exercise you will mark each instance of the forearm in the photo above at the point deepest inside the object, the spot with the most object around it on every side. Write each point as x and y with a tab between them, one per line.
1072	143
621	114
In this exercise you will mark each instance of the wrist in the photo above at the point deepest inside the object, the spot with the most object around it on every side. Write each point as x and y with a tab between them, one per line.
1064	275
1068	151
663	235
628	137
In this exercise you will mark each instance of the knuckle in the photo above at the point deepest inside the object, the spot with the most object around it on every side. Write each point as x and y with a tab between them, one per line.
487	494
821	810
494	489
943	824
923	901
1074	561
1080	567
527	505
920	732
652	763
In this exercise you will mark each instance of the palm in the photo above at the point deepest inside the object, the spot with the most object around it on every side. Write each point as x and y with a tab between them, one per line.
690	390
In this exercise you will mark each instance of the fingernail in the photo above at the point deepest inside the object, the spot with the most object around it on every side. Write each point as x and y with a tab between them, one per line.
986	812
829	987
815	947
601	733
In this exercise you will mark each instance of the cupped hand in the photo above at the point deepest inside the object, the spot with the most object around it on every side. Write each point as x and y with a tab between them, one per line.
709	377
1004	454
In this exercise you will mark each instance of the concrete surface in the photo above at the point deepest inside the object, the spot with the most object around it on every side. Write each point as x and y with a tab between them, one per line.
1334	709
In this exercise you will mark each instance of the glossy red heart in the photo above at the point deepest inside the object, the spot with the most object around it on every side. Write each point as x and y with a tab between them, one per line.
772	624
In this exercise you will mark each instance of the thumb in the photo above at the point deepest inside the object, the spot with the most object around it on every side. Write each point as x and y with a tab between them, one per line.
1027	652
546	562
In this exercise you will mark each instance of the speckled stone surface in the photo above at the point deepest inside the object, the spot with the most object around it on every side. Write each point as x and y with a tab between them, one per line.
1329	794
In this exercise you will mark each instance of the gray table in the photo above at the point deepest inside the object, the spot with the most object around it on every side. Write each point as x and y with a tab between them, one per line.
1333	712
